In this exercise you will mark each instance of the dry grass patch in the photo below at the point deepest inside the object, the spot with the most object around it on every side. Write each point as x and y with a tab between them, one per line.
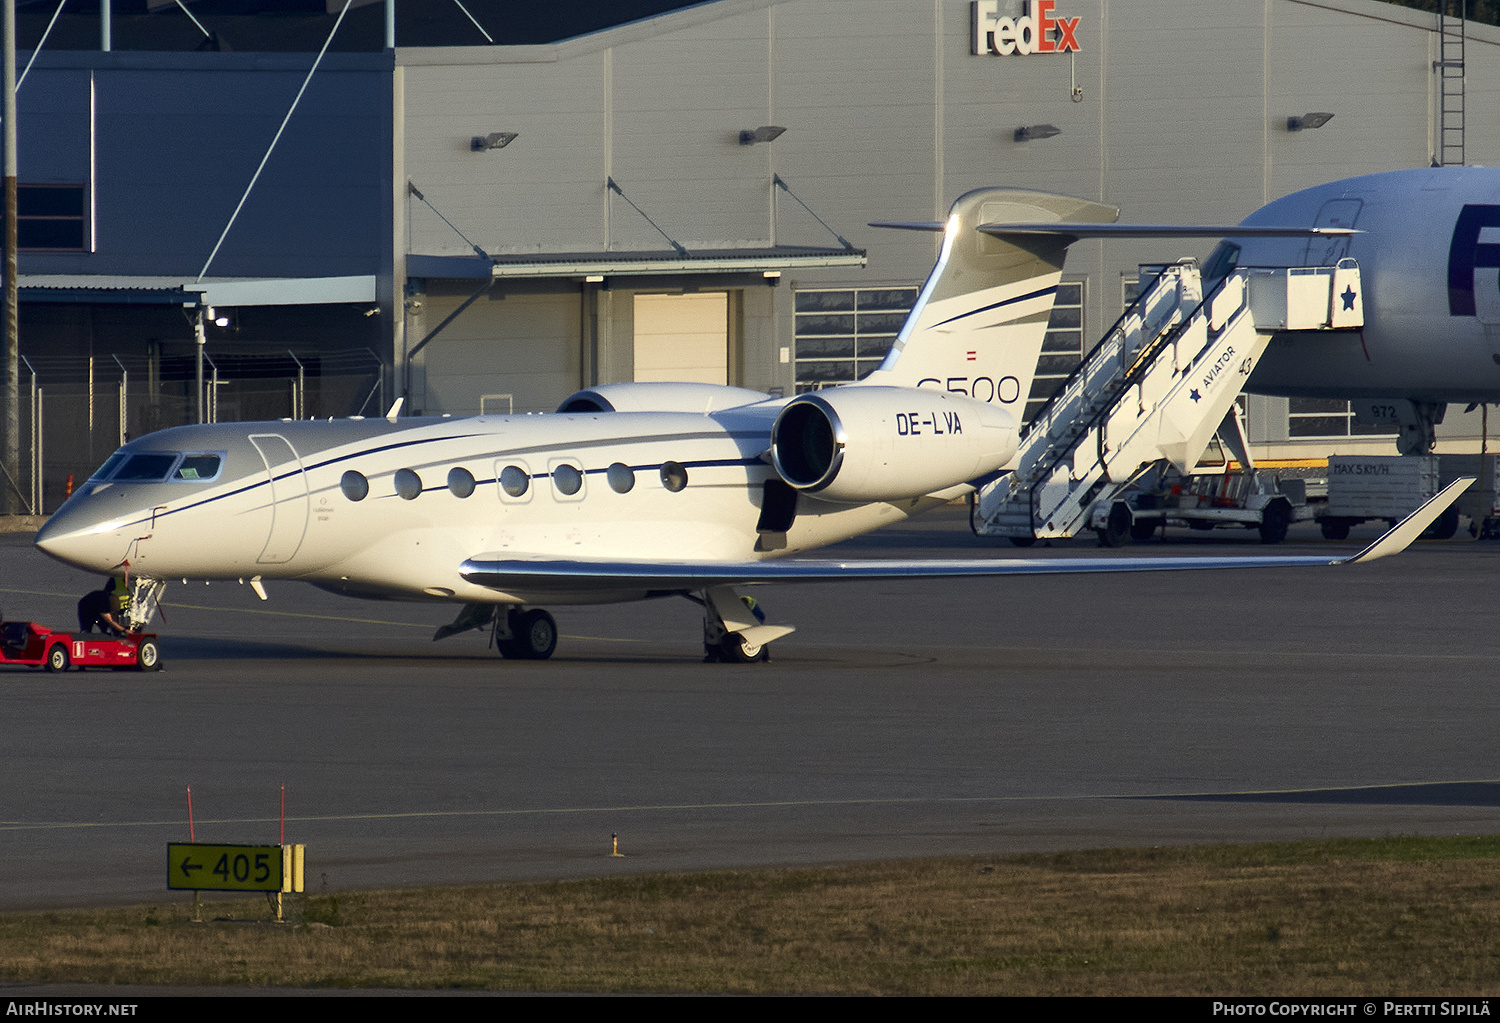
1397	916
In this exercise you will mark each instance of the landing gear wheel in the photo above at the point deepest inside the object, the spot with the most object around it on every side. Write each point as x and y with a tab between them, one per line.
535	635
1335	529
1274	520
735	649
1116	531
1023	541
57	658
148	656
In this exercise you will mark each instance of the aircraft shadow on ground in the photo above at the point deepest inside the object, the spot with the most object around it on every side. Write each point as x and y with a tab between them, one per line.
1447	793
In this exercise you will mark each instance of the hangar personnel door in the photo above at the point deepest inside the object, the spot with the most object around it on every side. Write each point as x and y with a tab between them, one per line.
288	497
682	337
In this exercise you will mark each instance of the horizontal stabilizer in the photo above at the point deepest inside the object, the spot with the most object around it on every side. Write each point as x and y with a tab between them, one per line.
1156	230
911	225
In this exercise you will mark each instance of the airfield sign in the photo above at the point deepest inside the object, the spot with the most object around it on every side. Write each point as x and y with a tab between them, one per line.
224	868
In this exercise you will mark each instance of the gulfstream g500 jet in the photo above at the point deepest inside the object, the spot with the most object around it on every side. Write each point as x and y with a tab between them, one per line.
630	490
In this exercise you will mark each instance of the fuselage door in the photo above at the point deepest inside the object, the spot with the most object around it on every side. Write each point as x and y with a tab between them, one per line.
288	497
1328	251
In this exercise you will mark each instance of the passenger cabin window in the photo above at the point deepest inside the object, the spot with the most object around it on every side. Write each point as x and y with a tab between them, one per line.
567	479
515	481
621	478
408	484
354	485
460	482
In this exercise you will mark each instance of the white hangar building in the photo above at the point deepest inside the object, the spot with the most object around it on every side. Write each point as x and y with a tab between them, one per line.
491	225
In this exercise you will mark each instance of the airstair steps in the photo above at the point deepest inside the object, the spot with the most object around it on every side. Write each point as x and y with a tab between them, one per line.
1155	388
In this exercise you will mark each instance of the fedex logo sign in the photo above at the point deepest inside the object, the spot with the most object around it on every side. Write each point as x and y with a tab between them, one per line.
1035	31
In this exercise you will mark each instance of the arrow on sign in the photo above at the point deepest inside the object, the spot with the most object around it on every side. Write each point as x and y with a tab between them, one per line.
188	866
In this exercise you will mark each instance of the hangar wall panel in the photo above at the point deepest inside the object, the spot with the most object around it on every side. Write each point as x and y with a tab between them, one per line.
522	345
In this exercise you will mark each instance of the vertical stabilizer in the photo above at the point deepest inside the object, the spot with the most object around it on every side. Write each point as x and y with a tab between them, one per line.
978	324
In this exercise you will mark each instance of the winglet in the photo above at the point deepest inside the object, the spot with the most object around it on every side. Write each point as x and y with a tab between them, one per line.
1408	529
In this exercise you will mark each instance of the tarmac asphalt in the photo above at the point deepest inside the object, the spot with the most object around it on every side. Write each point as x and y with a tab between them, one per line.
984	716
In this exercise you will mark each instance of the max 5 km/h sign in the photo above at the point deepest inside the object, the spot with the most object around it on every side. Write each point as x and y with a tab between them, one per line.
195	866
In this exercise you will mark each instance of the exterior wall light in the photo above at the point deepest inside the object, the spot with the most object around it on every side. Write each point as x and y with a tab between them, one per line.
1316	120
1037	131
494	140
765	133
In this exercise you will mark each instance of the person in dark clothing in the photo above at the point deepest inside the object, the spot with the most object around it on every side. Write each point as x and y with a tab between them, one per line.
102	607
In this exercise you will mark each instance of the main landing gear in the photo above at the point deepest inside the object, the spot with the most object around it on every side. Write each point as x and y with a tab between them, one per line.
734	629
533	635
519	635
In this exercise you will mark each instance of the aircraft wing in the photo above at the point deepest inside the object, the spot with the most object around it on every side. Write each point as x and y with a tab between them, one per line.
1134	230
505	573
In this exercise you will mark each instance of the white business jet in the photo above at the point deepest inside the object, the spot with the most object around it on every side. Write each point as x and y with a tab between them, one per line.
629	491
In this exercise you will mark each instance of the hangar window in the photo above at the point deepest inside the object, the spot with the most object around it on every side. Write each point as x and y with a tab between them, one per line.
843	334
673	476
621	478
1326	417
408	484
354	485
460	481
1062	347
514	480
51	218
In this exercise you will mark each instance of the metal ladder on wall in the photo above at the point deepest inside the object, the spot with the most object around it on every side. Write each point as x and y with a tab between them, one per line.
1449	67
1156	387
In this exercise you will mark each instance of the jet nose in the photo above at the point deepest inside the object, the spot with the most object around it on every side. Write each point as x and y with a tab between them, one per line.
78	537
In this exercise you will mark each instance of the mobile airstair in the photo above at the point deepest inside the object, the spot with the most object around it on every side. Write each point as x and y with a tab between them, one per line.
1157	387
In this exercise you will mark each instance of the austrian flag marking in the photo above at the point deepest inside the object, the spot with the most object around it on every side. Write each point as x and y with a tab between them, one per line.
1035	31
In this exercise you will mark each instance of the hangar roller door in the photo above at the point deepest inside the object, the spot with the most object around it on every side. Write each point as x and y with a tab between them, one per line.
682	337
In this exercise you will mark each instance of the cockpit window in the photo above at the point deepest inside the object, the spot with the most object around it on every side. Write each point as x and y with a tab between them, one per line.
1221	262
196	468
110	465
146	467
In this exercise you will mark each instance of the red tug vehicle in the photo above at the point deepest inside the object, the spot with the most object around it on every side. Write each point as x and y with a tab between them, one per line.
38	646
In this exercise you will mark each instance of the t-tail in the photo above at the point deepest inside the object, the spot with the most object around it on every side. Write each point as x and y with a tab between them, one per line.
979	322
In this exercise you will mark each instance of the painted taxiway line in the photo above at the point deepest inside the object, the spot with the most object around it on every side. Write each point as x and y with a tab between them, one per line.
764	805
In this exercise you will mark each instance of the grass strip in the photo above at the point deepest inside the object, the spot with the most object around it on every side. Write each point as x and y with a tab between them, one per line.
1400	916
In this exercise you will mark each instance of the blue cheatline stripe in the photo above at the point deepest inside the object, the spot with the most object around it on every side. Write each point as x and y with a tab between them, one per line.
494	456
996	305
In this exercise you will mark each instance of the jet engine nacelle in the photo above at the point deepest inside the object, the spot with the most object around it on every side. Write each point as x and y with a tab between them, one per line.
859	444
